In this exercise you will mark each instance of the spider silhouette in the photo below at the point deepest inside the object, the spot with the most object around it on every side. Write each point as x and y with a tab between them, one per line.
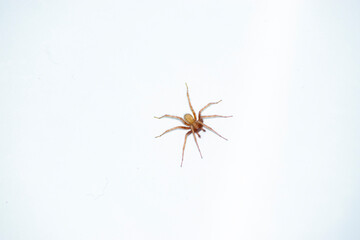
193	123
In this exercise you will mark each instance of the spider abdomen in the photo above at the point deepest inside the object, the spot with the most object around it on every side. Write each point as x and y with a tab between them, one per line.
189	119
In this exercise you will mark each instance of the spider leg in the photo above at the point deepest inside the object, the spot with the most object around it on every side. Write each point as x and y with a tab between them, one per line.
198	135
179	127
171	116
214	116
207	105
193	132
186	135
211	130
192	109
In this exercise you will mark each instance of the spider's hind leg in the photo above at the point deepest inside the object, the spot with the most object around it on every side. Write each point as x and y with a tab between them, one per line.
171	129
188	97
172	116
215	116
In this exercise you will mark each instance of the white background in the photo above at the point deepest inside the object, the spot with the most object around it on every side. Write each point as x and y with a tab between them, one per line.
80	82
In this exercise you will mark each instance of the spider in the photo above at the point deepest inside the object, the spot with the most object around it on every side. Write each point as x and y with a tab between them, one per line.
193	123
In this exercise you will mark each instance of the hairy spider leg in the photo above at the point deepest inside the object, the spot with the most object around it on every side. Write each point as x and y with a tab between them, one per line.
192	109
214	116
179	127
207	105
186	135
206	126
171	116
193	132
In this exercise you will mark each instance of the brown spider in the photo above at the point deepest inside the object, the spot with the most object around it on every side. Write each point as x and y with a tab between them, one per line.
192	123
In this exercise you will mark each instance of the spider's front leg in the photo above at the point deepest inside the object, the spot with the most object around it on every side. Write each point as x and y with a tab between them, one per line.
193	132
206	126
207	105
186	135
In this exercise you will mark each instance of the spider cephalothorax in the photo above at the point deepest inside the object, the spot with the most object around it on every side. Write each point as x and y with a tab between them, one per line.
193	123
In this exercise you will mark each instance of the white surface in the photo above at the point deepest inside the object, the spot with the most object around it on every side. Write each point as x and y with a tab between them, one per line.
82	80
